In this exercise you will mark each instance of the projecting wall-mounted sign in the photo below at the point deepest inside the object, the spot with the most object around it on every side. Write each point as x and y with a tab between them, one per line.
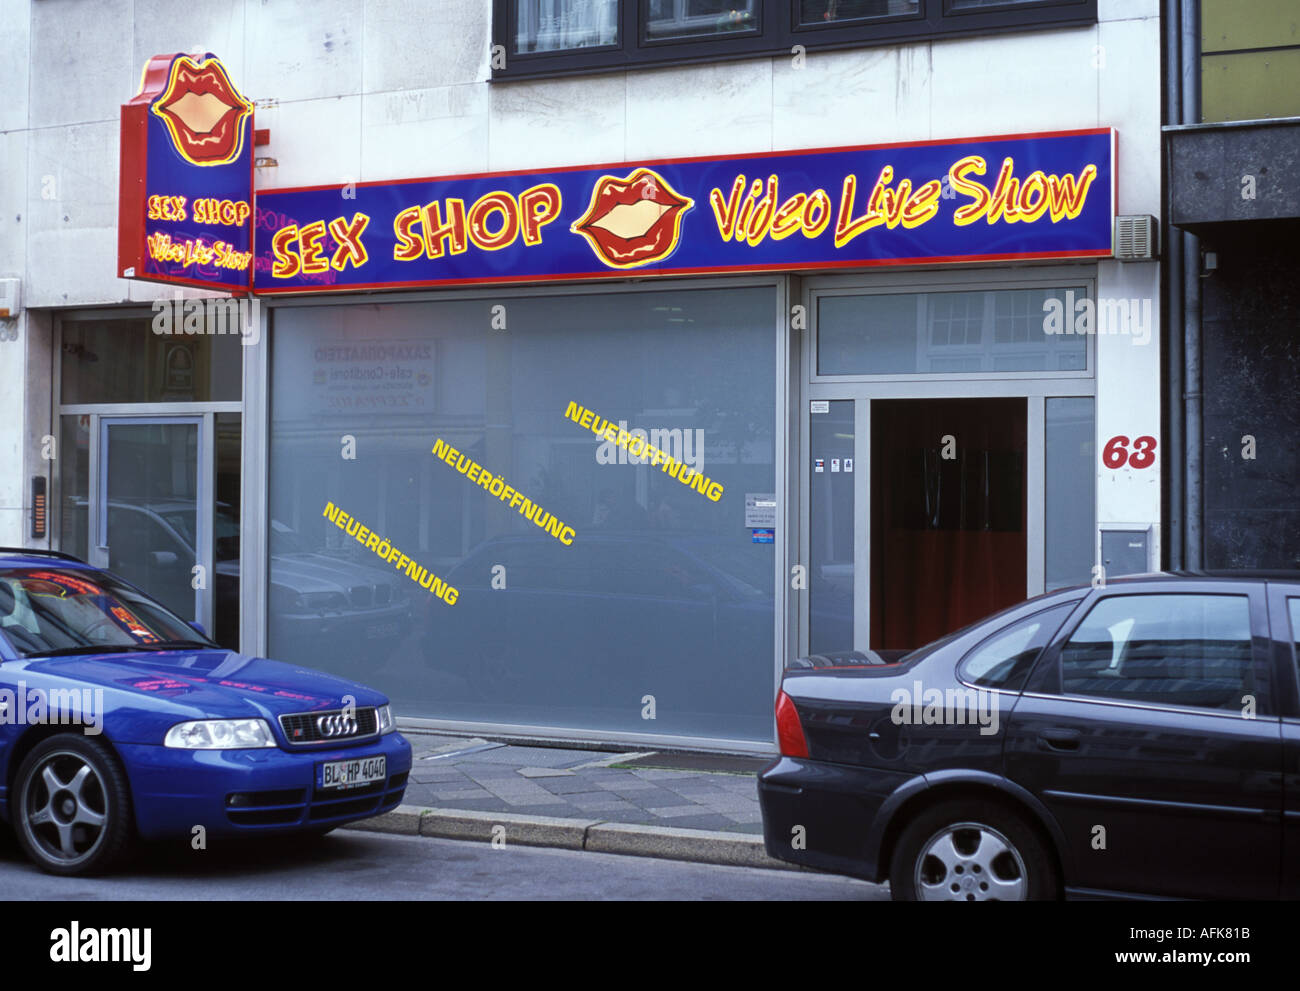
980	199
185	208
187	213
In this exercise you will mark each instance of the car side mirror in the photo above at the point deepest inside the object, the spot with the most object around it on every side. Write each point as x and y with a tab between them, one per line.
199	626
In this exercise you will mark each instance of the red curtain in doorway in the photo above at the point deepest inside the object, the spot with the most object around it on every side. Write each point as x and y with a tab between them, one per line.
948	520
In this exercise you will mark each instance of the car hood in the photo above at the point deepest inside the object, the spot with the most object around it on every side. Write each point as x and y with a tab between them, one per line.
192	684
317	573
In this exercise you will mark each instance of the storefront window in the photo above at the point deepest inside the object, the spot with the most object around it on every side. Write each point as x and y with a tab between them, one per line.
124	361
628	602
995	330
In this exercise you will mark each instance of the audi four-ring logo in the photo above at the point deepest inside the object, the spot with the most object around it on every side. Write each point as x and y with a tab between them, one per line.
336	725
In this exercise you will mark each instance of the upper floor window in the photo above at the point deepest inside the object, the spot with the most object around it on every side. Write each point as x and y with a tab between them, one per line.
663	19
564	37
561	25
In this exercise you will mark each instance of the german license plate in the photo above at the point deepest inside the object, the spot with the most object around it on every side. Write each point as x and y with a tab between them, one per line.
353	773
381	631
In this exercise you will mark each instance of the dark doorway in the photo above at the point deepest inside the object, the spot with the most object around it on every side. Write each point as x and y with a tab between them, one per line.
948	515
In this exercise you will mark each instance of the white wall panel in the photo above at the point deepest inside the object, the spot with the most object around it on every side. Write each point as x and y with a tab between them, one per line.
312	141
853	97
418	132
299	51
415	44
1128	395
210	26
1129	98
15	189
557	122
15	41
700	110
81	55
72	235
1042	81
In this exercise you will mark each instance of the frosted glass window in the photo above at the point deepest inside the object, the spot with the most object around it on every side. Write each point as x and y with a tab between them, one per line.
1071	494
662	591
994	330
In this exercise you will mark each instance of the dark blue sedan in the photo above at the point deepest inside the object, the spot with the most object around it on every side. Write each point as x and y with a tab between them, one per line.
1140	738
118	719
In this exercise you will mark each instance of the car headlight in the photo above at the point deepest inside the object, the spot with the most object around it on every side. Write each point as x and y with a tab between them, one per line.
386	719
220	734
322	602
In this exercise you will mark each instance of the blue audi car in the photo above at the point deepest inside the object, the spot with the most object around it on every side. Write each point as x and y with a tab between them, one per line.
120	720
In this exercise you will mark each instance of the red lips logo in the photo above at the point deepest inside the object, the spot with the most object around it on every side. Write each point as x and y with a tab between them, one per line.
203	111
633	221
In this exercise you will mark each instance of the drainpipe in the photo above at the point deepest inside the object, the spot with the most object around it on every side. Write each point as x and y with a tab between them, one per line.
1172	274
1193	446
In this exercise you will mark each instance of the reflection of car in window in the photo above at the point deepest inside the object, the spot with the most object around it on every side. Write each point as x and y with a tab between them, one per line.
582	622
315	599
319	600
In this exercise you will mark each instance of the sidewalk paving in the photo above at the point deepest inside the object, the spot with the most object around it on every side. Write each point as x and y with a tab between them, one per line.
481	776
465	788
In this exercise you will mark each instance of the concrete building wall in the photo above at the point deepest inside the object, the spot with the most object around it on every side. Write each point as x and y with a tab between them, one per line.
384	89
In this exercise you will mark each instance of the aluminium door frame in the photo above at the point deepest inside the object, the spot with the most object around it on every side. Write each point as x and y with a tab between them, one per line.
1034	387
204	495
206	411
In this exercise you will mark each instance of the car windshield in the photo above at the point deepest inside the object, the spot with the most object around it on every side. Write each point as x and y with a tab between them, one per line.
286	540
183	523
65	610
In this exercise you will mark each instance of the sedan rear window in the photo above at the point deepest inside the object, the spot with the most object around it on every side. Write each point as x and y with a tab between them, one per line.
1005	659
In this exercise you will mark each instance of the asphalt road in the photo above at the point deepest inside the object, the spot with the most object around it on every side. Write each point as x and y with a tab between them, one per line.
355	865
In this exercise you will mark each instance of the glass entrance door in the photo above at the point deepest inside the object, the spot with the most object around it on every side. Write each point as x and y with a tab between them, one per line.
152	509
832	511
920	512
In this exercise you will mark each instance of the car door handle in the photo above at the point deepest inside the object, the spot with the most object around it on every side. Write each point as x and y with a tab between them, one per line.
1059	739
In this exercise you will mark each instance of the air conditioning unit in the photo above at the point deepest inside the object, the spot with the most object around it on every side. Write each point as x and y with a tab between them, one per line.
10	298
1135	238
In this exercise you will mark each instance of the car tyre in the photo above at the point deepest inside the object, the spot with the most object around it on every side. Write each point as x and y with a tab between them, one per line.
971	851
71	807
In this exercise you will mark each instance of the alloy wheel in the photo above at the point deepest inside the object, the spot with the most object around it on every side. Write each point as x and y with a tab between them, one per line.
64	809
969	861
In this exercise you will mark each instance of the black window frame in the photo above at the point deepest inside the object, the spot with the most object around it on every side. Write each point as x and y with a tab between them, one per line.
777	34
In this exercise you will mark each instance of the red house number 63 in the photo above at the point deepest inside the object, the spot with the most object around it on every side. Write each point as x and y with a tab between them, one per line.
1116	453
